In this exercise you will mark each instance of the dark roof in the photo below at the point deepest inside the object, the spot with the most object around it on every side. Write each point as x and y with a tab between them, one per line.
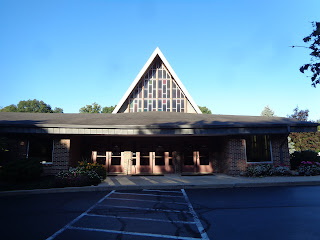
156	119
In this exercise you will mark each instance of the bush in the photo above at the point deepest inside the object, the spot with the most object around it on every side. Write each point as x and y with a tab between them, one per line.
309	168
22	169
98	168
256	170
259	170
77	177
308	156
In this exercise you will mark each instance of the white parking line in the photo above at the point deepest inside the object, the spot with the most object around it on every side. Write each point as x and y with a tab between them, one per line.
142	194
203	233
133	233
80	216
136	218
150	190
141	200
147	209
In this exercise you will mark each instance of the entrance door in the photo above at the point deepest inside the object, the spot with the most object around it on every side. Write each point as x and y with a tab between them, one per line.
203	162
163	162
144	162
189	163
115	162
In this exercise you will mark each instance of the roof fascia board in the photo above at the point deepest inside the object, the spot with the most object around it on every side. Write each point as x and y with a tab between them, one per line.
144	69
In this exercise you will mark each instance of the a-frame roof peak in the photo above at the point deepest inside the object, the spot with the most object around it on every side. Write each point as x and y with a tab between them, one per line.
156	52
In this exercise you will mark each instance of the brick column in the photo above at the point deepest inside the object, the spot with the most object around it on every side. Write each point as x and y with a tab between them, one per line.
236	156
127	163
60	157
276	141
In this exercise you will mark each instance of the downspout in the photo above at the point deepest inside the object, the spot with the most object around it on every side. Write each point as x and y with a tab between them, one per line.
282	143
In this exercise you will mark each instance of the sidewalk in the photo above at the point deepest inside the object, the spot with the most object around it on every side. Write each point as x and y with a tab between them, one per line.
178	182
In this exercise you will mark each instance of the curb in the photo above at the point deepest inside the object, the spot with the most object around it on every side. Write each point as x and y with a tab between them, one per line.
159	186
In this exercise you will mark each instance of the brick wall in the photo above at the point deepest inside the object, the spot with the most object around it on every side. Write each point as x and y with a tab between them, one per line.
235	156
61	156
276	141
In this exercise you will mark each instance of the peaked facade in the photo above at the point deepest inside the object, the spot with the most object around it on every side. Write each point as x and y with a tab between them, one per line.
157	88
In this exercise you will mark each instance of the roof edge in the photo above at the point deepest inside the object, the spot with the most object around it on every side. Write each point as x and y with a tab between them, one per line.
156	53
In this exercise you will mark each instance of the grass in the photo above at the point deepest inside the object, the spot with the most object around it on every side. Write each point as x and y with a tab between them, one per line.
42	183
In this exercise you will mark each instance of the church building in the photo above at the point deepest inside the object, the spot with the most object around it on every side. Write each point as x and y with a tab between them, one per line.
156	128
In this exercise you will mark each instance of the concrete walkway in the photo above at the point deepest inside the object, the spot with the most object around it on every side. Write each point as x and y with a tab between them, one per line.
178	182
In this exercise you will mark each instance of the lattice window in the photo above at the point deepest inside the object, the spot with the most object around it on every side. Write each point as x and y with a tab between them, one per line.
157	91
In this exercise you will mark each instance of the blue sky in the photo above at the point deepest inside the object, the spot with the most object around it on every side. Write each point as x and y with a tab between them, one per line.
232	56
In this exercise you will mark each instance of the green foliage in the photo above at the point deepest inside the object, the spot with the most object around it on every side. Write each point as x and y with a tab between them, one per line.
93	108
31	106
260	170
303	156
301	115
308	168
58	110
267	112
98	168
314	65
205	110
77	177
306	141
108	109
21	169
10	108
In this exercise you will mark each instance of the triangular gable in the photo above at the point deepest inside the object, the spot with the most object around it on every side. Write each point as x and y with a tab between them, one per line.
143	71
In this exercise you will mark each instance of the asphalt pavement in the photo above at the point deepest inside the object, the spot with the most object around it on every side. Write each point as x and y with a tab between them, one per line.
225	213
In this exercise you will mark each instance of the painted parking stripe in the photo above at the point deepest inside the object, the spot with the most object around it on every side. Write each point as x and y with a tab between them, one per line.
137	218
80	216
133	233
153	195
150	190
203	233
146	209
141	200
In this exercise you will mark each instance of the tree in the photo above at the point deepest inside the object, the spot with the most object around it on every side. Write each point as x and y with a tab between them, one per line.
34	106
301	115
267	112
304	140
205	110
10	108
93	108
108	109
58	110
314	65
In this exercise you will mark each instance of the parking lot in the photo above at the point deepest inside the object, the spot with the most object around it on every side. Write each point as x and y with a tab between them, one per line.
144	214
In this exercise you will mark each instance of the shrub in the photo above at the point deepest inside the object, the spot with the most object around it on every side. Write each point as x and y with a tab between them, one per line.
308	156
77	177
309	168
22	169
258	170
280	171
98	168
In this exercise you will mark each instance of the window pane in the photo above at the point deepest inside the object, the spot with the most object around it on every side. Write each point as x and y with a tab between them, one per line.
101	160
188	158
258	148
41	149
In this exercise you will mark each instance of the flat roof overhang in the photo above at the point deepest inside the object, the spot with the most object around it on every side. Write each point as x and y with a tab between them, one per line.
172	130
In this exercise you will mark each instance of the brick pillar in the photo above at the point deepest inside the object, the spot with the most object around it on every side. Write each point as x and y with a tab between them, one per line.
236	156
276	141
61	155
127	162
177	161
